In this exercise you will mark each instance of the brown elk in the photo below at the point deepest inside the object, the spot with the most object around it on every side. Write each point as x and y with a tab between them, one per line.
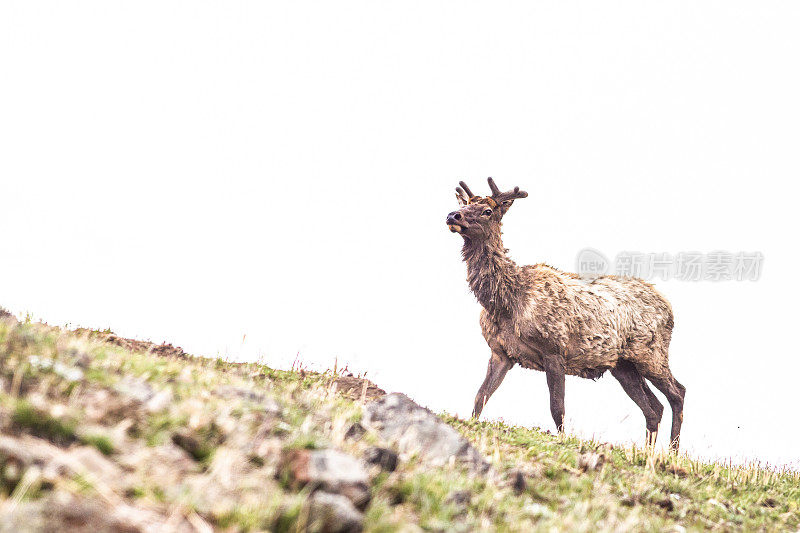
559	323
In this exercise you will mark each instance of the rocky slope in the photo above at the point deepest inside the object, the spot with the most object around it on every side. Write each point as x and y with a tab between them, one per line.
100	433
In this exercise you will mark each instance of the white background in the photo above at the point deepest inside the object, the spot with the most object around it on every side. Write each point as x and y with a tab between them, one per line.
258	179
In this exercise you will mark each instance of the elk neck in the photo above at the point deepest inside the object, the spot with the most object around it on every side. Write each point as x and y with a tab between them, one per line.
496	280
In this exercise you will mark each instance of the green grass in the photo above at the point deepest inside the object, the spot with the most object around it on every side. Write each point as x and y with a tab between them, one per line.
666	487
25	417
101	442
233	441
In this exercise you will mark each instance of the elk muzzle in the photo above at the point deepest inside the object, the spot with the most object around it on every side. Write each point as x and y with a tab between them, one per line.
455	221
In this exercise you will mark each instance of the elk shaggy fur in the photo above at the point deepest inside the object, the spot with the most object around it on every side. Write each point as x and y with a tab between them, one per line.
557	322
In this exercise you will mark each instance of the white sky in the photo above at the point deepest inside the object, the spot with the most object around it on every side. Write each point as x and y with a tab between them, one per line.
257	179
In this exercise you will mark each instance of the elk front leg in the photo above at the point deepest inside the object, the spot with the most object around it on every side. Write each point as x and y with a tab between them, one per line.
499	364
554	369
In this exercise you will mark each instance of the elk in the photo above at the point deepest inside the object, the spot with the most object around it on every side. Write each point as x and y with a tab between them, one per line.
557	322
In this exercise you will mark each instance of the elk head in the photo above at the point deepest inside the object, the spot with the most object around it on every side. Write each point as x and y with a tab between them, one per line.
480	216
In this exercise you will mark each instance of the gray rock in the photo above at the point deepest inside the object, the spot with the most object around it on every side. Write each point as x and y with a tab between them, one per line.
355	432
159	401
414	429
21	453
26	450
334	513
135	388
591	461
140	392
69	373
164	466
329	471
95	466
269	405
385	458
62	511
229	482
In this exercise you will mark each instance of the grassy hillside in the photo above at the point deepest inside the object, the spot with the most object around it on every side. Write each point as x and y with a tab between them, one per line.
102	433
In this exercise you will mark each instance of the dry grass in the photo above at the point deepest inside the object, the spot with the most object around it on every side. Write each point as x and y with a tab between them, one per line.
233	421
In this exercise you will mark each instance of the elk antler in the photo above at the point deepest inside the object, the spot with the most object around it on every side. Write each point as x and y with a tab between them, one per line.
494	187
466	189
464	195
505	199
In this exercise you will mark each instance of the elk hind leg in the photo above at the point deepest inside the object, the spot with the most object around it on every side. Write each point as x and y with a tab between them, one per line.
675	392
635	386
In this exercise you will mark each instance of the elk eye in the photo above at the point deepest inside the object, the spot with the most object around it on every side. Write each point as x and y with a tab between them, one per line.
487	213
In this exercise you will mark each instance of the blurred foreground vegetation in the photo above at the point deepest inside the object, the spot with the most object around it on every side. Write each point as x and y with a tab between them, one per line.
96	433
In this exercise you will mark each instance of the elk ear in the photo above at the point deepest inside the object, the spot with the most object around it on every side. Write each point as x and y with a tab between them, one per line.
461	196
506	204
